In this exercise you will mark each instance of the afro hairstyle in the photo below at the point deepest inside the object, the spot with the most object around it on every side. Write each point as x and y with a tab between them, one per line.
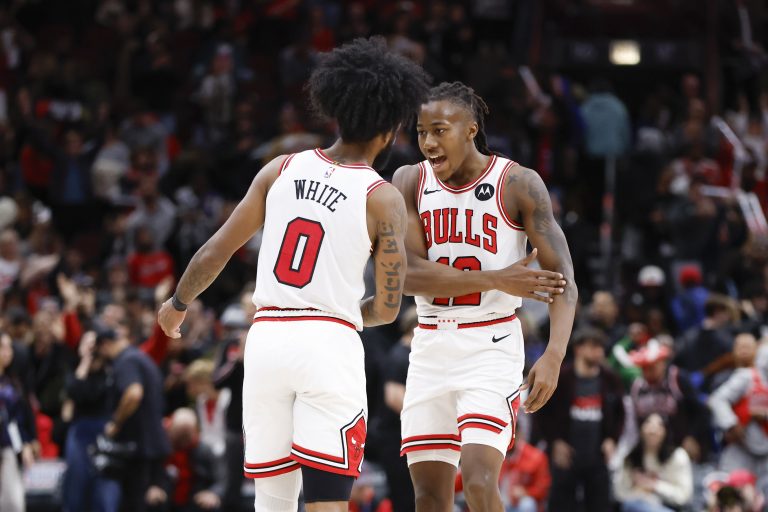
367	89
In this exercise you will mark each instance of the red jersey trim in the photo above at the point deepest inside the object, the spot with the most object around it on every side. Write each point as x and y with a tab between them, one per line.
267	469
319	152
421	183
469	186
430	442
500	198
375	185
322	461
284	166
469	325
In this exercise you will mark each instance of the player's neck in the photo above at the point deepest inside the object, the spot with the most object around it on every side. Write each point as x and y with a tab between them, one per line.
349	153
470	169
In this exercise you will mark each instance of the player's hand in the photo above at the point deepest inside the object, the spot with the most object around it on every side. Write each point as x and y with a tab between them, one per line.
542	381
170	319
520	280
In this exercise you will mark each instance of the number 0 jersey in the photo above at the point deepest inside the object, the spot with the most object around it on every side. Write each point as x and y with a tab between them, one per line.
315	243
467	227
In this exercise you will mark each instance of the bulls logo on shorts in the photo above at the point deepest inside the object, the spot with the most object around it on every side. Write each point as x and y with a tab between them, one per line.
355	437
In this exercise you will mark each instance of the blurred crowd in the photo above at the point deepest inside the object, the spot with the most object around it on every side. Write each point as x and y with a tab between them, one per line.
129	129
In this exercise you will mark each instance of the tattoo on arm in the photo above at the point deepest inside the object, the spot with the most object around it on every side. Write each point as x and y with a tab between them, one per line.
196	279
545	225
388	245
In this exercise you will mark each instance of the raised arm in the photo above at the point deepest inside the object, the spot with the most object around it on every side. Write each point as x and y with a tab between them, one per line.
210	259
432	279
525	189
386	224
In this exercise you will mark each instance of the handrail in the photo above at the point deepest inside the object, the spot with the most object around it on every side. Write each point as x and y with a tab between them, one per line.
740	155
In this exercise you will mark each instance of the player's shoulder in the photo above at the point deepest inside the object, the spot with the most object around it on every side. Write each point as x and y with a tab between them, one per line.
405	175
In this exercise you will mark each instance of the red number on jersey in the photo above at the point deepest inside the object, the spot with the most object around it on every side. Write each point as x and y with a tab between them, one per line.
471	299
298	252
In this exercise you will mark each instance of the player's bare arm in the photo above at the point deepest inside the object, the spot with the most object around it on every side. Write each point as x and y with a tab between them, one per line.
210	259
526	196
431	279
387	225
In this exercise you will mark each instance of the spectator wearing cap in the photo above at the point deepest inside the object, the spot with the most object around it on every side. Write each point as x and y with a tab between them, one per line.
688	306
666	390
84	414
656	476
581	424
740	410
138	399
740	484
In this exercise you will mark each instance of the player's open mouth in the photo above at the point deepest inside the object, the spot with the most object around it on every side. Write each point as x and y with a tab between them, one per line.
437	161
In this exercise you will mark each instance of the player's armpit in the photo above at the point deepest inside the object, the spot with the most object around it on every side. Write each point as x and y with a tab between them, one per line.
387	211
242	224
532	198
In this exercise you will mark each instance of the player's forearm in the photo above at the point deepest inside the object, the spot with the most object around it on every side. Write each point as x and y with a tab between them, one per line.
202	270
561	313
430	279
379	314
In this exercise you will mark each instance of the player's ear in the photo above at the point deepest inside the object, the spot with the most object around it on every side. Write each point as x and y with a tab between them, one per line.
473	129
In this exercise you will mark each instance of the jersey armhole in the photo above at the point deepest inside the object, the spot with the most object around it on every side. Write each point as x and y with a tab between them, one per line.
500	198
285	163
420	185
373	186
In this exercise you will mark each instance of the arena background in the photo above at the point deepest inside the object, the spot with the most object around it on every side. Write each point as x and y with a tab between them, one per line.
129	129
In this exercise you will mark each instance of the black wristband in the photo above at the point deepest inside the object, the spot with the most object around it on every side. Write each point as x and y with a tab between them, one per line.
177	304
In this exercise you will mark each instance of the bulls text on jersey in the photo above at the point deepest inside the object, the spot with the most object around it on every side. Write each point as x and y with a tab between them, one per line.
454	225
310	193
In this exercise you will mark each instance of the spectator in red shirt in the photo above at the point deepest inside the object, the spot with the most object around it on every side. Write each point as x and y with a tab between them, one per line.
148	265
525	478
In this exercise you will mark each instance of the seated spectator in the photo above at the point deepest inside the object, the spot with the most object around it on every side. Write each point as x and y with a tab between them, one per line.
16	434
149	264
524	479
724	490
740	410
190	482
688	305
656	476
666	390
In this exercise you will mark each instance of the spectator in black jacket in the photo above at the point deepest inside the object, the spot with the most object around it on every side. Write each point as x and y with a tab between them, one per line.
582	423
87	411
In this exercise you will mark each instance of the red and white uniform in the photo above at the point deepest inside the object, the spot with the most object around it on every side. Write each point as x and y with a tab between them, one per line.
304	399
467	353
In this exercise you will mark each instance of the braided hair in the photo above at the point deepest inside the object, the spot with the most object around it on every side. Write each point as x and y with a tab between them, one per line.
465	96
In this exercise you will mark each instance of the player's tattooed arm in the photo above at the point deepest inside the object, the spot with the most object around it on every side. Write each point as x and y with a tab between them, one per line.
242	224
388	211
535	206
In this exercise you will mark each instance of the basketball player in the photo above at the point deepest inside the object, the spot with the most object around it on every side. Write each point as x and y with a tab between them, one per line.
324	212
471	210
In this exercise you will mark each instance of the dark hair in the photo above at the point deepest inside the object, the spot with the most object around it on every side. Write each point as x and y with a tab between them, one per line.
465	96
635	457
589	334
367	89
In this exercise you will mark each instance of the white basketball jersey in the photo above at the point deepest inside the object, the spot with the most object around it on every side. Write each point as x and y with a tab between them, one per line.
316	243
467	228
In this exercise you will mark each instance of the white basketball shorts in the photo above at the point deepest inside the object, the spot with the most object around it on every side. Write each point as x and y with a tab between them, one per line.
462	388
304	400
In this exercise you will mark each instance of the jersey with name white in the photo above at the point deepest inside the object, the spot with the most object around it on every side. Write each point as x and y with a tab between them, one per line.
315	243
468	228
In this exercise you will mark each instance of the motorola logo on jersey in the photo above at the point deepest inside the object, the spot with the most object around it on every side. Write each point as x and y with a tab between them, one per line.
484	191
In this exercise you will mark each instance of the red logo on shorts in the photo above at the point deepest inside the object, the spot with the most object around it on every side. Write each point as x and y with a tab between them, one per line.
356	443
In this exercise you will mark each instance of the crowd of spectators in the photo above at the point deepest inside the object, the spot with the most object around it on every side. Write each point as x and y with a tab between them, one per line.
129	129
